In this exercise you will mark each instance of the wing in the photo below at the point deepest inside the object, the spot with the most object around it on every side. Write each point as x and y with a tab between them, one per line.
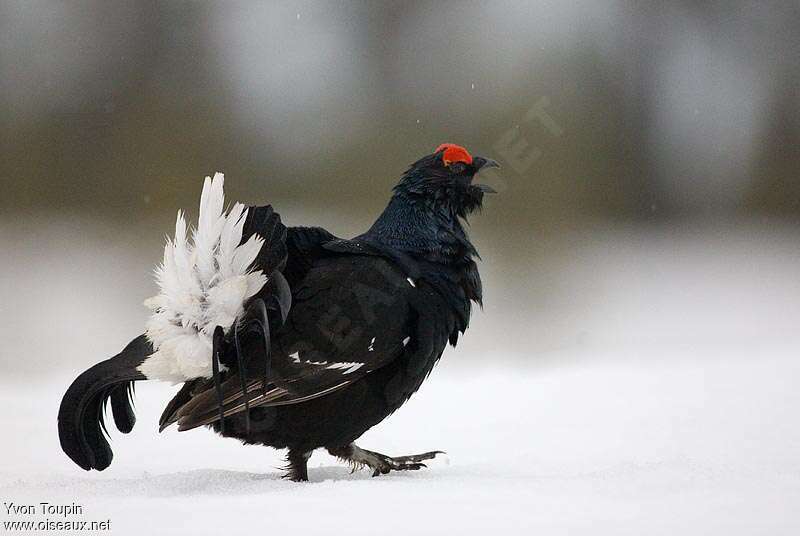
350	315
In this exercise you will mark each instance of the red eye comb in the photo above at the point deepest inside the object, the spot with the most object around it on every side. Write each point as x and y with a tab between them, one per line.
454	153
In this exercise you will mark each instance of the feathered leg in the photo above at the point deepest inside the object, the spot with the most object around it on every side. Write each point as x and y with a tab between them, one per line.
297	465
380	463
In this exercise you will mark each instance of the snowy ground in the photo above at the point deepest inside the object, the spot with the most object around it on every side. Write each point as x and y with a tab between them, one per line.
666	419
623	445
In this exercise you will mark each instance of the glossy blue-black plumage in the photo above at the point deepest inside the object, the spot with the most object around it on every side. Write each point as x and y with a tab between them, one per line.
355	325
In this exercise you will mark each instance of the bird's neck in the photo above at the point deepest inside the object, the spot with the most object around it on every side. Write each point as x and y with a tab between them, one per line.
419	226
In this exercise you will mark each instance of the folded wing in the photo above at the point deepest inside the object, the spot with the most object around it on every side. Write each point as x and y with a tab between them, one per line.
350	315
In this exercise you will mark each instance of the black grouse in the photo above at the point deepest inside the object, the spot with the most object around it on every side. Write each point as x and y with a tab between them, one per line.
292	337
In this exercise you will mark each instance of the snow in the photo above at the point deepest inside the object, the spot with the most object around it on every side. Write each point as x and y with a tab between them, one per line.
673	416
693	442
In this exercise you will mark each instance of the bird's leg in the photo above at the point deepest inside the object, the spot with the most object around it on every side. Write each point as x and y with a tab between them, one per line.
380	463
297	465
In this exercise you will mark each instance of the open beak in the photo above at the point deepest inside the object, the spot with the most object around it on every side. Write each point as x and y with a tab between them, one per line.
481	164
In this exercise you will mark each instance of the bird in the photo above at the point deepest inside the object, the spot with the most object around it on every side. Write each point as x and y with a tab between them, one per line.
291	337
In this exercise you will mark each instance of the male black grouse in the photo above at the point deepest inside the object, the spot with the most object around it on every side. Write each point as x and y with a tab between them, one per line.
292	337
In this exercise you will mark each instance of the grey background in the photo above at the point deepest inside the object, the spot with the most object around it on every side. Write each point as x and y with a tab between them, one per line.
649	192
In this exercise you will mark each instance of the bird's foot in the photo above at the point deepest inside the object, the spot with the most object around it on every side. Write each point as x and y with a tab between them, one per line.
380	463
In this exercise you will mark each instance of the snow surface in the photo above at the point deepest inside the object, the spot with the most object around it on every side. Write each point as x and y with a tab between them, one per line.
673	411
615	444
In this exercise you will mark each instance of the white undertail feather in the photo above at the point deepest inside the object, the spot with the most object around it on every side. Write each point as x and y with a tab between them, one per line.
203	283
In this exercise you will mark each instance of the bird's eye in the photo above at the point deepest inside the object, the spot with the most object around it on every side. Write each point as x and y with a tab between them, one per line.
457	167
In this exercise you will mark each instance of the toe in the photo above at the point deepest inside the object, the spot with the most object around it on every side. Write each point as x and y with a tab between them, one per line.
418	457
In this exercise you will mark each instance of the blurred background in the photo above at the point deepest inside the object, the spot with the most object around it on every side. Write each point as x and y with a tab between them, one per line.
648	196
636	358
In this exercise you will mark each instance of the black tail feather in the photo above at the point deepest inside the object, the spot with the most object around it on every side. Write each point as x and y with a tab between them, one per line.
81	417
267	223
122	407
182	397
219	338
242	378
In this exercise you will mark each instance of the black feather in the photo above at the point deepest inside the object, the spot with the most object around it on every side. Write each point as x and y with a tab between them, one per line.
81	416
122	407
342	335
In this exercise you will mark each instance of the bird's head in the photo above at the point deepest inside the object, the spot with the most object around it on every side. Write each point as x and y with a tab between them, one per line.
446	178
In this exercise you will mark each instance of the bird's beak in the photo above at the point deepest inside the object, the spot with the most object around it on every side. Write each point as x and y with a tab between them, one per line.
484	163
481	164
